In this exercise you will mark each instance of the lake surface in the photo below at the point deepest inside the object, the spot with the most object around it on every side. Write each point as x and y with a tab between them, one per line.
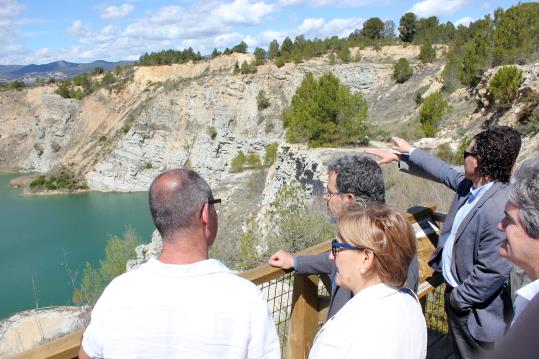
39	234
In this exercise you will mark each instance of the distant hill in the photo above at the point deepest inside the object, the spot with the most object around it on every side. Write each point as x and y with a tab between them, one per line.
57	69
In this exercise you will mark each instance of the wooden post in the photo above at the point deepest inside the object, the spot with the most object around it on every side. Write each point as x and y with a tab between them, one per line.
304	317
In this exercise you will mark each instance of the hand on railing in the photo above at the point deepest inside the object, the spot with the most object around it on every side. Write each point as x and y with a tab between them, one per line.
281	259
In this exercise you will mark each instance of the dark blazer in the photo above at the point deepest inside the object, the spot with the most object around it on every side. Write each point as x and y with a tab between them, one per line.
481	272
521	340
321	264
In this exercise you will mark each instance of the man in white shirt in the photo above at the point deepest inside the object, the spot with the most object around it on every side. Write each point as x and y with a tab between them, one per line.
521	226
183	305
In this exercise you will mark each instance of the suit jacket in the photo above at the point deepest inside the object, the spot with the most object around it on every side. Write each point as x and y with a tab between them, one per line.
521	340
481	272
321	264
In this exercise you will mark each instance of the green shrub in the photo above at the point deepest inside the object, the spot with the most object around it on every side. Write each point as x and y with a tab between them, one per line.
117	252
107	79
504	86
55	147
212	132
459	153
148	165
271	154
445	153
262	101
402	70
279	62
98	71
236	70
431	113
16	85
247	68
450	75
128	123
344	54
427	53
324	112
253	160
38	182
103	138
237	163
63	90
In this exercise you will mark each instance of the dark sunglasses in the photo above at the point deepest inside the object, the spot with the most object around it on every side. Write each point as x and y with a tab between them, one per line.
467	154
336	247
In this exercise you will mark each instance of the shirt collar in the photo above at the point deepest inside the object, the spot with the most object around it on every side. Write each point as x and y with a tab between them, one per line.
529	290
201	268
477	192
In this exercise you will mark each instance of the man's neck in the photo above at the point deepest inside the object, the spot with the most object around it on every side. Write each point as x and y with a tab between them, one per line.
184	249
480	181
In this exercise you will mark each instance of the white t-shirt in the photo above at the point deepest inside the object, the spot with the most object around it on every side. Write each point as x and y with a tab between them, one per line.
201	310
378	322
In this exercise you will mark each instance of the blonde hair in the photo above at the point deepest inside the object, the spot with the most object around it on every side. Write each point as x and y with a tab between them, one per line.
386	232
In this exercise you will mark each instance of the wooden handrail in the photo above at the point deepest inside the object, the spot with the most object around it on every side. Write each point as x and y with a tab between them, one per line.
306	305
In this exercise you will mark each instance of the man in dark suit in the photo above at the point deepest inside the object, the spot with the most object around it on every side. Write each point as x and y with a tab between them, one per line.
521	226
477	299
353	181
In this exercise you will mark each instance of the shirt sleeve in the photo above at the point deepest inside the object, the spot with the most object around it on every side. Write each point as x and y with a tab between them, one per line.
92	340
264	342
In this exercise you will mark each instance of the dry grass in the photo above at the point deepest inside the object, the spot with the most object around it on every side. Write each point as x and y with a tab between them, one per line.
404	191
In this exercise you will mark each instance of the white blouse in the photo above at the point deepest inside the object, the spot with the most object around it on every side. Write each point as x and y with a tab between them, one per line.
378	322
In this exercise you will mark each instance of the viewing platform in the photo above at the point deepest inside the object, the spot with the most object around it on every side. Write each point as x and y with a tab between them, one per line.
299	303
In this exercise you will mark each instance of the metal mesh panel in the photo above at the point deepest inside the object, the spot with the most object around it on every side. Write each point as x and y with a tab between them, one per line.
434	310
279	294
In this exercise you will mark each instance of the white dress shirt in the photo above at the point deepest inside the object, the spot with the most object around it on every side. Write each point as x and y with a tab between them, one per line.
524	296
378	322
200	310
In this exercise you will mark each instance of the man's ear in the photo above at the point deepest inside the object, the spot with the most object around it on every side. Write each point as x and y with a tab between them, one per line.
205	214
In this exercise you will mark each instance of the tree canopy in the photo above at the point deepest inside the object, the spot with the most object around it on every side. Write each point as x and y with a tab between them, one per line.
324	112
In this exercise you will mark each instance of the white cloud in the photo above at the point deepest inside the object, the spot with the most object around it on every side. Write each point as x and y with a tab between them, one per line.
9	10
242	12
116	12
78	29
464	21
322	28
321	3
436	7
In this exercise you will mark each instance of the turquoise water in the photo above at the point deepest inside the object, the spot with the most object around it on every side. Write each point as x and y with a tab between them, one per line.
39	234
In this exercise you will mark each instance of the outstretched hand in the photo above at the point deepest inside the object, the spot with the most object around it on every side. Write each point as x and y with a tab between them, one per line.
401	146
281	259
383	155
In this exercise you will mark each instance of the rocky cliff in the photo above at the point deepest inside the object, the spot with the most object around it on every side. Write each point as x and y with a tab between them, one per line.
201	115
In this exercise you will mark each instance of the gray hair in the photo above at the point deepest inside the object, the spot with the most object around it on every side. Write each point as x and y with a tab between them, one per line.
524	193
360	176
175	197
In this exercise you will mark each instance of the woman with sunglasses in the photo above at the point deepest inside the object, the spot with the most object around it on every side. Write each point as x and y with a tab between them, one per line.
372	251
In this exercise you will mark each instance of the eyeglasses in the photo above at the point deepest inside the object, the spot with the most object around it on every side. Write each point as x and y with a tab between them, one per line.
467	154
336	247
329	194
214	202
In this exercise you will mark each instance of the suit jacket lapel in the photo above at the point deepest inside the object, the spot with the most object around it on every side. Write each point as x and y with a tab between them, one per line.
469	216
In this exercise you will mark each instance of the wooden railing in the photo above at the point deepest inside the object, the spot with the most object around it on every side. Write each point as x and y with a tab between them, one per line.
307	309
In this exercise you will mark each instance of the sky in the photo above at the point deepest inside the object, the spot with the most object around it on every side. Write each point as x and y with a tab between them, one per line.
42	31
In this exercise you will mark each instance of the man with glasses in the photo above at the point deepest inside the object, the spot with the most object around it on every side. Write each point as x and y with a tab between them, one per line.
353	181
477	300
182	305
